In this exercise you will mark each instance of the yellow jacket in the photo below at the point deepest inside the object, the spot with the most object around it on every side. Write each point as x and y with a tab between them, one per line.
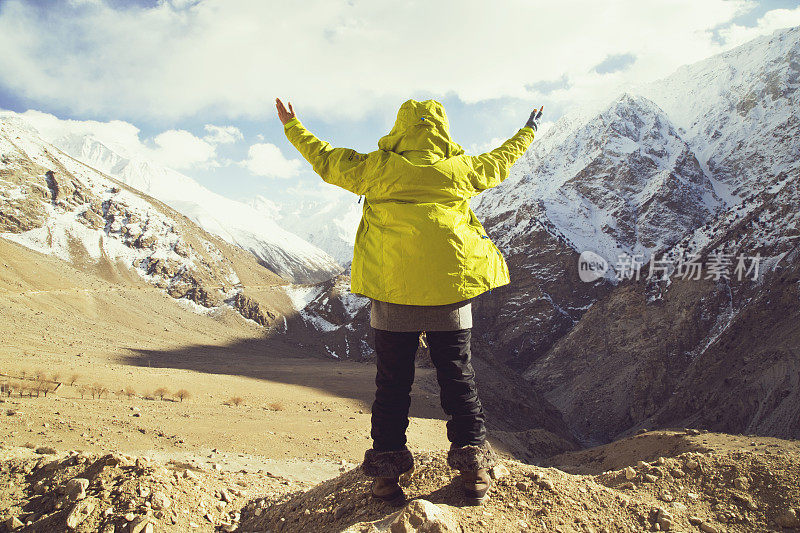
418	243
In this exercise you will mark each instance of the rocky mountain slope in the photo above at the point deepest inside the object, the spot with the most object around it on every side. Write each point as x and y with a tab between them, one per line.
618	181
718	352
709	353
329	224
55	205
621	181
237	223
735	109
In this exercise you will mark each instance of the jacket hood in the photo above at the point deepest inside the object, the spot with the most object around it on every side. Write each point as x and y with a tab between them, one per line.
421	133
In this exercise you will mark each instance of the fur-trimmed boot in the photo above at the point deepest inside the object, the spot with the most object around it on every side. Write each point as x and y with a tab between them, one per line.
386	469
473	462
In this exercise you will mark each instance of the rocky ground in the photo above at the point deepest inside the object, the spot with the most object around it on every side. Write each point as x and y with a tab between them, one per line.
44	491
703	482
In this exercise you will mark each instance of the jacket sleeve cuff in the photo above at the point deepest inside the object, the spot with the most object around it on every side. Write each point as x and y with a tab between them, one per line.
529	129
292	122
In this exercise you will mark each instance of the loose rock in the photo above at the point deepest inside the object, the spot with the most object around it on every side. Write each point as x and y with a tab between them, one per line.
499	470
46	450
160	501
76	488
80	512
708	528
141	525
421	515
788	518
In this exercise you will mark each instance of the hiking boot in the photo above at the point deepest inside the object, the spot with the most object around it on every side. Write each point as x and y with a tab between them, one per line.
388	469
473	462
388	490
476	485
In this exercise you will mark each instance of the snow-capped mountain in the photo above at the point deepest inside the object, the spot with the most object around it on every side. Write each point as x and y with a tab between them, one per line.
713	353
329	224
719	351
281	251
620	181
733	109
56	205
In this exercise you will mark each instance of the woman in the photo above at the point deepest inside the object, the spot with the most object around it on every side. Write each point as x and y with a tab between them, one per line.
420	255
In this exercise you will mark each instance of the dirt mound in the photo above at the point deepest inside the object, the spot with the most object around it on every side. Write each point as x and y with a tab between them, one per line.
42	493
740	490
650	445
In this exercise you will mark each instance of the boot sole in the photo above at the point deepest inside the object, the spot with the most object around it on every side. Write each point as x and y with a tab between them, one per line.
476	500
475	497
395	499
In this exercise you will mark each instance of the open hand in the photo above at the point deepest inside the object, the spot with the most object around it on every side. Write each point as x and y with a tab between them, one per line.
533	120
284	115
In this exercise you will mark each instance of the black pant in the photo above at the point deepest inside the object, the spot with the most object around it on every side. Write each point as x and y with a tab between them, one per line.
450	353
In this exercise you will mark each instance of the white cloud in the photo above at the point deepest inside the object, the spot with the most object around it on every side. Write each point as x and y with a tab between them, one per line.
178	149
488	146
266	159
181	149
345	58
222	134
771	21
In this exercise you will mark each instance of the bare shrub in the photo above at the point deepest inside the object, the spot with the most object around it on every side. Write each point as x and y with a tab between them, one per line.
73	379
130	392
98	390
83	390
183	394
56	377
275	406
147	395
40	375
161	392
235	401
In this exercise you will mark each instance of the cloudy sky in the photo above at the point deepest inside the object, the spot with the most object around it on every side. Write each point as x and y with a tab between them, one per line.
192	83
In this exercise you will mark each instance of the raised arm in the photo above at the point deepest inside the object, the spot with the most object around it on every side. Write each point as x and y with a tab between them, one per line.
339	166
493	167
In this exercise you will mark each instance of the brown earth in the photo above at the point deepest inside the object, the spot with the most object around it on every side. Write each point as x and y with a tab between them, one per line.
56	319
736	490
683	480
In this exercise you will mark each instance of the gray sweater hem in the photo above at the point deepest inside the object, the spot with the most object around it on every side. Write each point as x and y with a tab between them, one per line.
399	317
